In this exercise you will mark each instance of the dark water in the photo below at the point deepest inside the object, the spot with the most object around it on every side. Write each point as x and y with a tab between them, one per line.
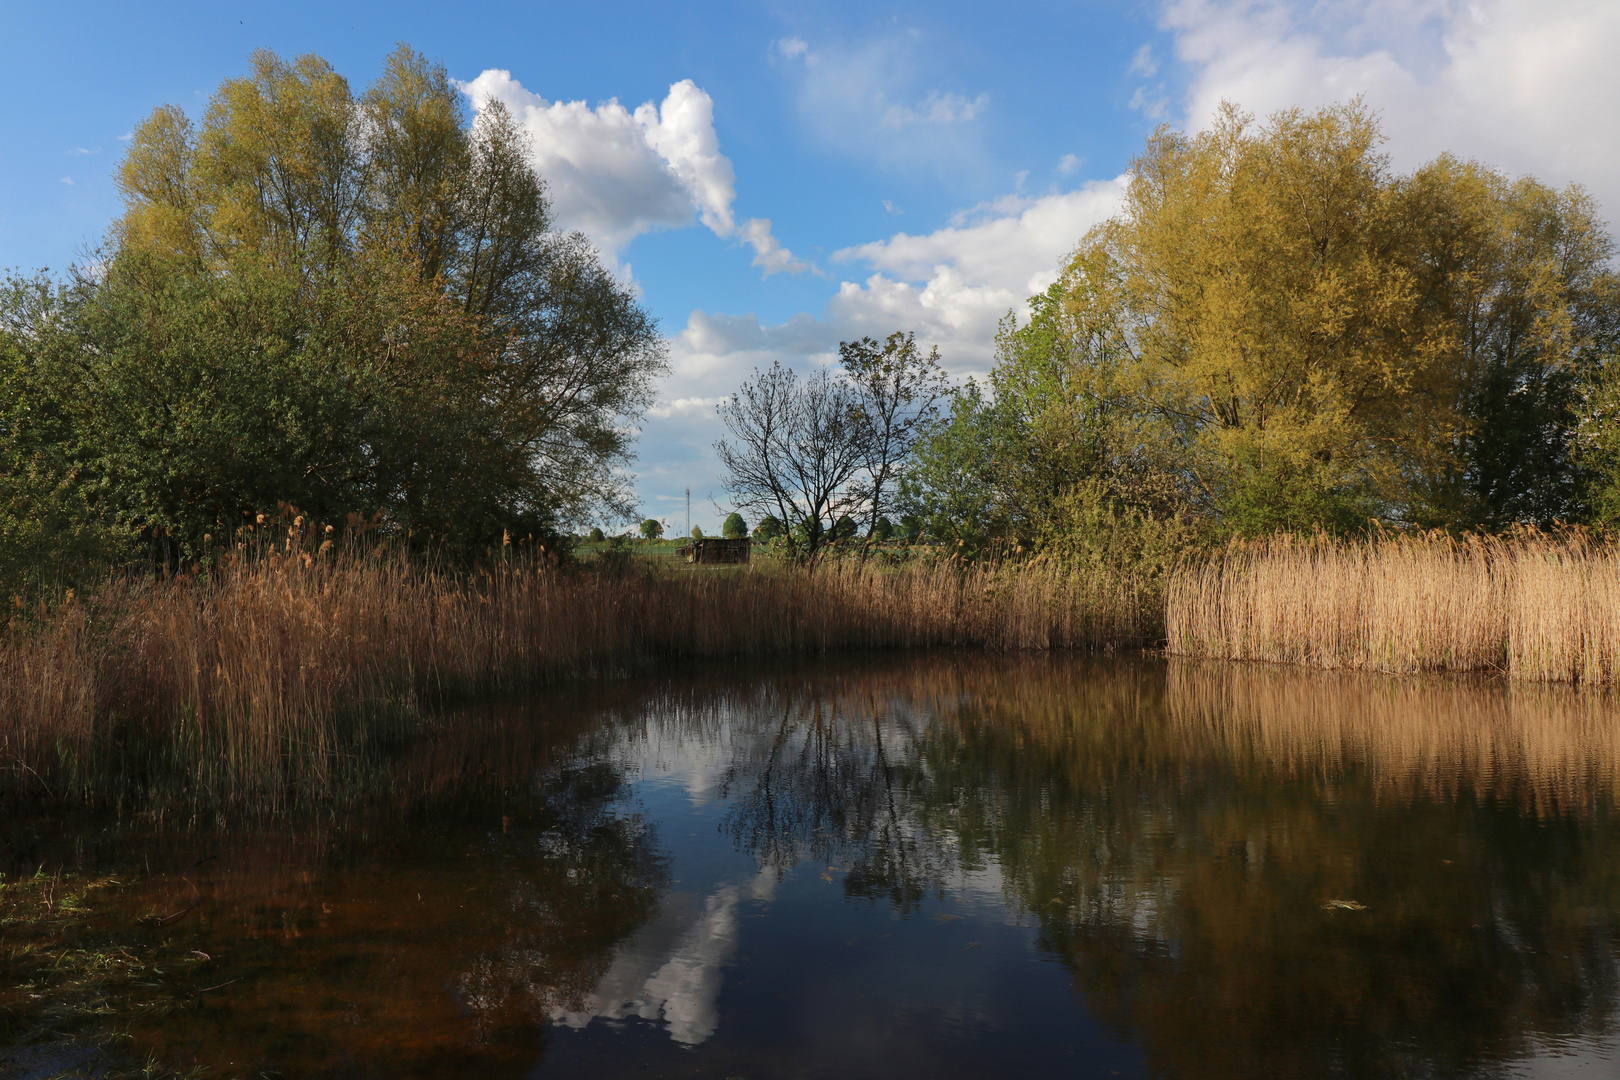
949	867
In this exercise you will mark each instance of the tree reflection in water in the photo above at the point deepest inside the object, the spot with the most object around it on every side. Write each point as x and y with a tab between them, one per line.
1245	871
1249	871
435	937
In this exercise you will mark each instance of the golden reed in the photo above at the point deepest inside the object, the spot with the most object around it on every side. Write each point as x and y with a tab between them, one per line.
272	665
1533	606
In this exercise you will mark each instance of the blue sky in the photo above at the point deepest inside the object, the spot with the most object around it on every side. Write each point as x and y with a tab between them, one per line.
776	177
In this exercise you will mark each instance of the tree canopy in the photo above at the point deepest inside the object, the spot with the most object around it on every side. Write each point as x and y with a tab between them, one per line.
352	304
1277	330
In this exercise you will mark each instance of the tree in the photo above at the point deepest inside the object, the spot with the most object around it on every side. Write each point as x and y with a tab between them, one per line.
768	529
793	449
1277	331
734	527
596	536
1521	275
651	529
832	446
1254	294
697	532
355	305
899	388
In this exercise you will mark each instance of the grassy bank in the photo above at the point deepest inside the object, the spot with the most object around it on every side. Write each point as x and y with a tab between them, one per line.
257	679
1532	606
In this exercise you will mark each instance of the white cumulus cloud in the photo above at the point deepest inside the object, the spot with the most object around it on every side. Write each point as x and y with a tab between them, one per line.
950	286
1527	87
614	174
954	284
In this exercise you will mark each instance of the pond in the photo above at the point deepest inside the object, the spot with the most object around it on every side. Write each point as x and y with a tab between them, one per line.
952	866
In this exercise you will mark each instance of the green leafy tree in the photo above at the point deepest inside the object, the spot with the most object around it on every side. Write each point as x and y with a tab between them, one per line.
768	529
356	305
651	529
697	532
734	527
596	536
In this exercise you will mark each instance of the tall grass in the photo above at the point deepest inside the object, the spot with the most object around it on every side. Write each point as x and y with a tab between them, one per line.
1533	606
261	675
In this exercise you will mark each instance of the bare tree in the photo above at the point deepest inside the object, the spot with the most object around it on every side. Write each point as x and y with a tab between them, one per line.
794	448
898	392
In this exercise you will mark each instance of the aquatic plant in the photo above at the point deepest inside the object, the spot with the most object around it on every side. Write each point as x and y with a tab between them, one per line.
263	674
1532	605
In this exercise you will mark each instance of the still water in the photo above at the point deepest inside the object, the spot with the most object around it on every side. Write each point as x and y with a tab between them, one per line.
950	867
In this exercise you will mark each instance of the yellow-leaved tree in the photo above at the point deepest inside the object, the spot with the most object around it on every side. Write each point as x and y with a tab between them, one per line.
1312	339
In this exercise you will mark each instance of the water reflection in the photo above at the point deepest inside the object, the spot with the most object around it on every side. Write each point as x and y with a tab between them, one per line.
894	868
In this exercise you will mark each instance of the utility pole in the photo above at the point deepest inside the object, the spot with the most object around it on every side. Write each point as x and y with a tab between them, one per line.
688	511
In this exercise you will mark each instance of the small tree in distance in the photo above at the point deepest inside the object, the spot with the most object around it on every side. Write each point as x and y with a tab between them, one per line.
734	528
812	452
651	529
697	532
596	535
768	529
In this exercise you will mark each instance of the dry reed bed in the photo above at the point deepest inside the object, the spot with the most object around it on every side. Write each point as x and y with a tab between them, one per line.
1534	606
277	665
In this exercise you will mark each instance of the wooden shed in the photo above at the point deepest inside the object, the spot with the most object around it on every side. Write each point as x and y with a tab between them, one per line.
712	550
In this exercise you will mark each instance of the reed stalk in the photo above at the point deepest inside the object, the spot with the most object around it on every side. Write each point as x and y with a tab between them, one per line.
1533	606
260	675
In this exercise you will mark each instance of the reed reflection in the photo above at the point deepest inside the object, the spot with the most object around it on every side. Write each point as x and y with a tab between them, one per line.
488	886
1251	871
1245	871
